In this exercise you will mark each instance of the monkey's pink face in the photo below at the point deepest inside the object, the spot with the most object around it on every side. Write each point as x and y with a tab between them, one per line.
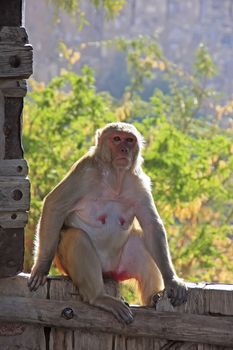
122	146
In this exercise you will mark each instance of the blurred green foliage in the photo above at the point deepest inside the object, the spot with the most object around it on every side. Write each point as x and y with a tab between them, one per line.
188	154
76	9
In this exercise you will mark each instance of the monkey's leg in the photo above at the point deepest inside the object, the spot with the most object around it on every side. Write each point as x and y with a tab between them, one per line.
79	258
137	262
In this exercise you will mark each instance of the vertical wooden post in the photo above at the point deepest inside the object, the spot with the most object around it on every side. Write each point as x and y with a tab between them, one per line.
15	65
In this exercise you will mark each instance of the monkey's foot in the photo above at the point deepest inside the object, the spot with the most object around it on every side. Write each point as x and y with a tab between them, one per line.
156	297
116	306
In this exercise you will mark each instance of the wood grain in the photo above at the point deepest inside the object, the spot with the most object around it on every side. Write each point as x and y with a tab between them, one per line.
13	88
13	219
15	61
2	120
147	322
13	167
94	329
14	194
13	35
20	336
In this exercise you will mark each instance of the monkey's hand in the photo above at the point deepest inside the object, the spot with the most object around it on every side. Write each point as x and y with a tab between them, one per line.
38	277
177	291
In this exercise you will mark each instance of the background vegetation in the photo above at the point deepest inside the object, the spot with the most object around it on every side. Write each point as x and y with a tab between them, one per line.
188	152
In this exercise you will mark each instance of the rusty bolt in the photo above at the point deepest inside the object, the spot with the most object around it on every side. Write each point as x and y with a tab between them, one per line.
67	313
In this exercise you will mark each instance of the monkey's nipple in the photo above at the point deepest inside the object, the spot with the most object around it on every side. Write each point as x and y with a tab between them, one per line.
122	221
102	218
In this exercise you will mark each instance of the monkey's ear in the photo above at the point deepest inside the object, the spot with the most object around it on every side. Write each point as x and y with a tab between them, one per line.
98	137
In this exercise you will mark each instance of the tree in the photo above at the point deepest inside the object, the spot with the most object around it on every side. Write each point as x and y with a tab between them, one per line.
188	155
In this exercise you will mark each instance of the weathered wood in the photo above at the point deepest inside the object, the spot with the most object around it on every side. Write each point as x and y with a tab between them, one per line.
13	127
15	64
2	120
147	322
13	167
205	299
11	251
92	332
11	13
13	219
13	88
62	339
13	35
15	61
15	336
14	194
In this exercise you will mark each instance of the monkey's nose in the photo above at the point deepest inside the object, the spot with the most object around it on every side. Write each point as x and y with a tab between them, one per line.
124	150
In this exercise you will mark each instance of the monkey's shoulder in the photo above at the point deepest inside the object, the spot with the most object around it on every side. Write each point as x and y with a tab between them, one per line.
140	181
86	162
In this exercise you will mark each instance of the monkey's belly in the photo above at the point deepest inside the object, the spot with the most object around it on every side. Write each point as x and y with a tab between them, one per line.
108	234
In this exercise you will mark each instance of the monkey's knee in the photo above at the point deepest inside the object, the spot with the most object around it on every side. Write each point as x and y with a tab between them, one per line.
150	279
150	283
79	258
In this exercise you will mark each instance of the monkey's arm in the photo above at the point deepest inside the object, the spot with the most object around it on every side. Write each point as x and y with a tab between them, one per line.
156	242
55	207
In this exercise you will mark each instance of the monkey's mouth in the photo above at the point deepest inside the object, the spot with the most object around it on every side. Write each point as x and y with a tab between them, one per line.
124	159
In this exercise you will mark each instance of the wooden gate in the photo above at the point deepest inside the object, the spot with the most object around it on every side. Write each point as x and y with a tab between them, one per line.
54	318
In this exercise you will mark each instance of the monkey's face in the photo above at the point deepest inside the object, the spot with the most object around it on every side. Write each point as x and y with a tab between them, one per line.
122	146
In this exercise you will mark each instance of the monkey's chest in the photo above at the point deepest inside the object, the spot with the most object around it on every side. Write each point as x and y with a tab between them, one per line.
96	215
108	223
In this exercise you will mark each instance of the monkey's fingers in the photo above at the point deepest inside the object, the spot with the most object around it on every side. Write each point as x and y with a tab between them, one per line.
36	280
119	309
178	295
123	314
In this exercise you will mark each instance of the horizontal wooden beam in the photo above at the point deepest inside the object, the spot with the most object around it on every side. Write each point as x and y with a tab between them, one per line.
147	322
14	194
15	53
13	88
13	35
15	61
13	219
13	167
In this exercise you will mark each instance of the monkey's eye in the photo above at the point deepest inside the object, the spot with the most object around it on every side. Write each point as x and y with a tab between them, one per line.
130	140
116	138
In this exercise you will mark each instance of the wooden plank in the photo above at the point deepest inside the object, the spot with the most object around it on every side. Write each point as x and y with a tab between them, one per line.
64	339
140	343
88	340
11	251
14	194
13	219
11	12
2	120
13	35
204	299
15	61
13	88
147	322
12	127
15	336
13	167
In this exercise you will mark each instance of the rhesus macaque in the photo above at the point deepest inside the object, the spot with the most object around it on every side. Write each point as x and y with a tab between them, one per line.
101	220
